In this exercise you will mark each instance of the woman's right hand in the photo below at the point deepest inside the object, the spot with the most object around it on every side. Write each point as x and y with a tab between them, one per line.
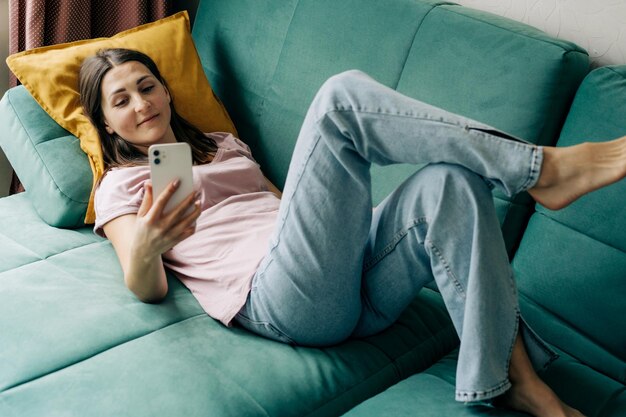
157	232
140	239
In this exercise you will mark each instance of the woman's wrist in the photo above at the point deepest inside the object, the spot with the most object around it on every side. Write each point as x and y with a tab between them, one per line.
142	256
145	275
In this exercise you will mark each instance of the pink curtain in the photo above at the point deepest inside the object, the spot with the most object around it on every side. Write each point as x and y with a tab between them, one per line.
35	23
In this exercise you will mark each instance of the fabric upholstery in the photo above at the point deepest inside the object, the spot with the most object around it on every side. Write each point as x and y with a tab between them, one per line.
575	383
48	159
77	341
575	295
441	53
570	270
81	343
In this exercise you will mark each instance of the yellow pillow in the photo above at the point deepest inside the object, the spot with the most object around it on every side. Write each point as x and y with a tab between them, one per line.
50	74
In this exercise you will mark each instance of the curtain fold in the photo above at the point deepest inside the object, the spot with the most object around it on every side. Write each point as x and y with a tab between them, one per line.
35	23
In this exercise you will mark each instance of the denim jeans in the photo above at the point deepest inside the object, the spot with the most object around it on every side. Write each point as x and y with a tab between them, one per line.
336	269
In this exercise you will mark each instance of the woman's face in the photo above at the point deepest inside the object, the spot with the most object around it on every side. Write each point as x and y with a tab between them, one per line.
136	106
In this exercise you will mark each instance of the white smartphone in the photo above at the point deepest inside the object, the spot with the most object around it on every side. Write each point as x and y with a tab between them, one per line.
169	162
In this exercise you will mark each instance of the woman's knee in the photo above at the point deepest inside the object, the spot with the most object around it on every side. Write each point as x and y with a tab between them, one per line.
343	80
338	90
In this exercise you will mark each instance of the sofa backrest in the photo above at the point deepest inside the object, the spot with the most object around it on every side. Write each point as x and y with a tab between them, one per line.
48	159
267	59
571	263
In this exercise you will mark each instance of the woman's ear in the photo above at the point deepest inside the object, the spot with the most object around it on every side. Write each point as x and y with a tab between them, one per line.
108	128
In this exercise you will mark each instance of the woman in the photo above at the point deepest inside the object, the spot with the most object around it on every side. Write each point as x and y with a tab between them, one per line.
319	266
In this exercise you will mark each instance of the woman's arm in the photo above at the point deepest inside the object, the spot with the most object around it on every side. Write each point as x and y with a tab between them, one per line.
140	239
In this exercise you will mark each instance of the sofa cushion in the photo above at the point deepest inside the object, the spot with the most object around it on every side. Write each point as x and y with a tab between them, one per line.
47	158
441	53
269	74
427	394
597	114
50	74
527	93
430	393
77	341
570	265
572	291
570	269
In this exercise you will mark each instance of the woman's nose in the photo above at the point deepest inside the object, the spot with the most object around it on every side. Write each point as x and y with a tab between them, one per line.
141	104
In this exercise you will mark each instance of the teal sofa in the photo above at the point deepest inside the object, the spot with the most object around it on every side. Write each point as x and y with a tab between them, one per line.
75	342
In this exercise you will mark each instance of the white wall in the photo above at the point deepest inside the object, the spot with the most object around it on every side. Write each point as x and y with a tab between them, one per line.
5	169
599	26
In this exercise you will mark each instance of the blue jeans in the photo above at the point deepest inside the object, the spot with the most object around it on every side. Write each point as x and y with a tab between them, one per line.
337	269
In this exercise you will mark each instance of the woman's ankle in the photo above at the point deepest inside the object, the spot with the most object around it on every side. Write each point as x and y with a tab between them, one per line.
570	172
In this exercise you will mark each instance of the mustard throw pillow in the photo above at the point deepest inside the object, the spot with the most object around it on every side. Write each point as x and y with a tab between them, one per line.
50	74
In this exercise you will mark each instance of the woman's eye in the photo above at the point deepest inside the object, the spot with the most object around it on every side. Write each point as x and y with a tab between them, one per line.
119	103
148	89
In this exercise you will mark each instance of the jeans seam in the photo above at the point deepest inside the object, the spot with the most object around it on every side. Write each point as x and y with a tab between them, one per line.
505	383
493	131
457	285
267	324
498	139
533	176
287	208
466	125
396	238
498	389
339	108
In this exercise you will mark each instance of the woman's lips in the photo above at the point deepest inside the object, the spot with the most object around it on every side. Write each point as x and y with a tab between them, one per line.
148	119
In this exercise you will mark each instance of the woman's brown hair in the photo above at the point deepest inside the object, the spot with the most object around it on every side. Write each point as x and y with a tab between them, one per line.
118	152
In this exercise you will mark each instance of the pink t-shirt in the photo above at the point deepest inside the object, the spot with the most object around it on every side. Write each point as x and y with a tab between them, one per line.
216	263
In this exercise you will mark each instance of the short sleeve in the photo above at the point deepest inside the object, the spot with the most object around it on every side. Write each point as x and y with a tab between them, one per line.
228	141
120	192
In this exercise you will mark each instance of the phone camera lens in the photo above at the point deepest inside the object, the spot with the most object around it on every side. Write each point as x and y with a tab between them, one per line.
156	153
157	161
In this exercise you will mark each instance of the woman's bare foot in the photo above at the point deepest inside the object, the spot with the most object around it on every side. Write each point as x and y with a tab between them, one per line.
528	393
570	172
536	399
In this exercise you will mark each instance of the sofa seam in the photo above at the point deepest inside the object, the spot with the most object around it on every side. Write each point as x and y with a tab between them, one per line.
23	247
46	258
441	331
408	54
569	326
574	51
242	389
86	358
577	48
609	402
567	226
36	150
265	95
354	387
610	68
393	364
